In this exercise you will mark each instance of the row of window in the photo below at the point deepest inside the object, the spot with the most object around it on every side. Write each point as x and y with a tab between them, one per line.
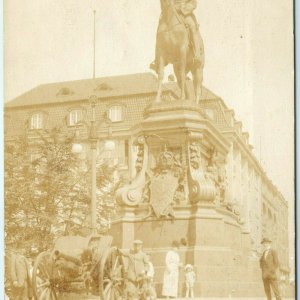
114	114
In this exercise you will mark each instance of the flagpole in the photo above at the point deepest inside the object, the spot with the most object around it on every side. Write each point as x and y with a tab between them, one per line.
94	46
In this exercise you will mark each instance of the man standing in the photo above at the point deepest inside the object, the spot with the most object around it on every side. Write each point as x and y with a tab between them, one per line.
138	264
269	265
18	274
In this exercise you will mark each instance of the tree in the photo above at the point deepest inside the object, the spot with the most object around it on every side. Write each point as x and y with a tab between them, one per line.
47	190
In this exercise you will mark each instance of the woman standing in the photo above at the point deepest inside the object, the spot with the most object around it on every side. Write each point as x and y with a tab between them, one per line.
171	274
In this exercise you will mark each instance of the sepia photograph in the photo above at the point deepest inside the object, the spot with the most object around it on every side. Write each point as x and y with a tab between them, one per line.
149	150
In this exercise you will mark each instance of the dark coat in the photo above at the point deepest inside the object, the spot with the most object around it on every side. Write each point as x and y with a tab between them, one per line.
269	265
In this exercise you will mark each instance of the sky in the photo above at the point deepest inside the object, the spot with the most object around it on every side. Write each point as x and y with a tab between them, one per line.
248	51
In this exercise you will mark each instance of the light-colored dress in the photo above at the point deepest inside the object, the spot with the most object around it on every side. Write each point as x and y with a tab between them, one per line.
171	275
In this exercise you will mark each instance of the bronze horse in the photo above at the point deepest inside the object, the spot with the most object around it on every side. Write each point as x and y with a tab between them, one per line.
174	46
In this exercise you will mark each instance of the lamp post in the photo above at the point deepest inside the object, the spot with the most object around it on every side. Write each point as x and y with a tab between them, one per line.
93	143
77	148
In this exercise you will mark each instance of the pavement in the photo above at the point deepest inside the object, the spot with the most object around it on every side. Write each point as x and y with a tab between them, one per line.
82	297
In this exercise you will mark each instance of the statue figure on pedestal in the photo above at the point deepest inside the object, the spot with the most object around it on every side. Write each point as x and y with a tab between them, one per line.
179	42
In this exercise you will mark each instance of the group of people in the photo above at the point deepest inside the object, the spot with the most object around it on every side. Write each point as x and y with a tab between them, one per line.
140	265
171	274
140	274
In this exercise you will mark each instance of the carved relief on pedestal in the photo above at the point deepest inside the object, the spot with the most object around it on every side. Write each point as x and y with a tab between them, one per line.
131	194
200	187
165	187
216	173
160	188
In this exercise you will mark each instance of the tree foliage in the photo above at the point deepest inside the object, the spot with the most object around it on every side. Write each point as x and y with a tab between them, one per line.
47	190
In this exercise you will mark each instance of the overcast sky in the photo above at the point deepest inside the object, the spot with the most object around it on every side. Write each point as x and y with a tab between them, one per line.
249	58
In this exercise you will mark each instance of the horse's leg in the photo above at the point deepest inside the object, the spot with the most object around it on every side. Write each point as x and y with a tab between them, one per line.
160	73
197	81
177	74
182	73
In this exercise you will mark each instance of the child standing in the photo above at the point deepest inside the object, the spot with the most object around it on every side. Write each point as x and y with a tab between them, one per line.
190	278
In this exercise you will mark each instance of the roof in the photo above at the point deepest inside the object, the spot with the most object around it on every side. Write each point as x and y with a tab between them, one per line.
103	87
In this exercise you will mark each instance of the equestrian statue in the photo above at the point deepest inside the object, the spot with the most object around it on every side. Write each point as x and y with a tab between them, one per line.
178	42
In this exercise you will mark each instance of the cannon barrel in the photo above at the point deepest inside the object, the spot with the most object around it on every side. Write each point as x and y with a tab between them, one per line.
75	260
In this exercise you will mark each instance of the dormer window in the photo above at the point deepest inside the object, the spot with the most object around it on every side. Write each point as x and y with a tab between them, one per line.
115	113
36	121
103	87
75	116
65	91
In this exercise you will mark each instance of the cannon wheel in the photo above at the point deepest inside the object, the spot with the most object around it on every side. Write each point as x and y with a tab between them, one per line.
42	278
111	280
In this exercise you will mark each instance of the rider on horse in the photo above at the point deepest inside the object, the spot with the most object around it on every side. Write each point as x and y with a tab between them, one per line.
185	9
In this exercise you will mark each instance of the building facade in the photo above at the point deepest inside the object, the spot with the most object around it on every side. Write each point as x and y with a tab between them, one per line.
242	186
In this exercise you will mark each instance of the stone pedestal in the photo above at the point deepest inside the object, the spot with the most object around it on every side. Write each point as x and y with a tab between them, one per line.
179	194
216	247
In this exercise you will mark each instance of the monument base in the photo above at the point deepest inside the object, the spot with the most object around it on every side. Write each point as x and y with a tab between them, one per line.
212	241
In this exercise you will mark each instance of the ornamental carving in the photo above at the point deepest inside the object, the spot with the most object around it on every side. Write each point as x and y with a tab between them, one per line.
200	188
216	173
161	188
131	194
140	157
165	188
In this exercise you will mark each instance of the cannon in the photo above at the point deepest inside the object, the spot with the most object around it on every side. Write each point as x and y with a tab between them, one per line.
88	264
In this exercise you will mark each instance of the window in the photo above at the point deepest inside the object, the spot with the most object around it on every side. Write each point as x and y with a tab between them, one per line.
115	113
74	117
36	121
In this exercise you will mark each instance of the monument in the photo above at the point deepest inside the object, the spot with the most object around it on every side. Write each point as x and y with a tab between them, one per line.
181	190
179	43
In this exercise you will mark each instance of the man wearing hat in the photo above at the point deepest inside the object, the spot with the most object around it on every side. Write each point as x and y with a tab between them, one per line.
17	272
138	264
269	265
